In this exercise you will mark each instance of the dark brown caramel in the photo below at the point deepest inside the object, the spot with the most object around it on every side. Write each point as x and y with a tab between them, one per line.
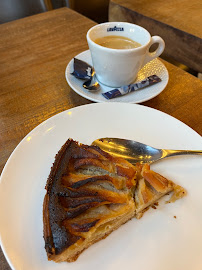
69	194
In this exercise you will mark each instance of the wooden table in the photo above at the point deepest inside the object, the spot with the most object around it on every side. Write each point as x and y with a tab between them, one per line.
178	22
34	53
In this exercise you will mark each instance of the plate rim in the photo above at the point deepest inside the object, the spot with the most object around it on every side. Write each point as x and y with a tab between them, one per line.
87	105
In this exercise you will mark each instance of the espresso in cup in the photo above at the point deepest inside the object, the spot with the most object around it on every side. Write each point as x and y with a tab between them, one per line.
115	65
117	42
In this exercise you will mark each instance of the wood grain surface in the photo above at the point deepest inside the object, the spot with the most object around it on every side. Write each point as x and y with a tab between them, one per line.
34	52
182	14
177	22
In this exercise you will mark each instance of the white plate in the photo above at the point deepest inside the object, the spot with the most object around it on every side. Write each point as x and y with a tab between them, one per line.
153	67
157	241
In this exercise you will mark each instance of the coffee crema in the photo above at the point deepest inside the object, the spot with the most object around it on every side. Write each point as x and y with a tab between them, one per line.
117	42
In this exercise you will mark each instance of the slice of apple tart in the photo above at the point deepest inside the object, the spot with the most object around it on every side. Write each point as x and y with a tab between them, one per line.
90	194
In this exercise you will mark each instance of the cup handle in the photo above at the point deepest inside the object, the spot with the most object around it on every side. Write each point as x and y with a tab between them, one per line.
150	56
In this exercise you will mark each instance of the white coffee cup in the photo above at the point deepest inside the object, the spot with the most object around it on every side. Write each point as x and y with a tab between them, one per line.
118	67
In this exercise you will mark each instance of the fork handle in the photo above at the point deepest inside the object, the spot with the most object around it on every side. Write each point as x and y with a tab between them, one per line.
169	153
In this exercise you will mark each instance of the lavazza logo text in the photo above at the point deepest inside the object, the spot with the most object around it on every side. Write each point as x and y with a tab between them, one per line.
115	28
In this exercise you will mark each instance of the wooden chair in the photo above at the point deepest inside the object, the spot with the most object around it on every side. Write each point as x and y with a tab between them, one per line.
15	9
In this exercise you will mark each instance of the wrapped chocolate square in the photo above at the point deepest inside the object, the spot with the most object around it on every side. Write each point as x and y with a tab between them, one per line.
82	70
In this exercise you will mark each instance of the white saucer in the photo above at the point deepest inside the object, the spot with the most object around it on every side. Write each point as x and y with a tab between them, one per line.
153	67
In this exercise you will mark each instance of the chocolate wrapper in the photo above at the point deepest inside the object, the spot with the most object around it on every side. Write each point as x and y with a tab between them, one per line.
131	87
82	70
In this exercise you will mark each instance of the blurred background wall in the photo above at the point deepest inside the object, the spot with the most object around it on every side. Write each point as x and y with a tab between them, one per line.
96	10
